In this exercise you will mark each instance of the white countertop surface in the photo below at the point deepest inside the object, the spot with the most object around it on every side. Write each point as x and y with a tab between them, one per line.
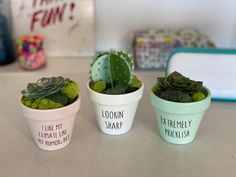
139	153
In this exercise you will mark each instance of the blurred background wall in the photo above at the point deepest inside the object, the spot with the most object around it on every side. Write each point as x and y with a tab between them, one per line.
116	21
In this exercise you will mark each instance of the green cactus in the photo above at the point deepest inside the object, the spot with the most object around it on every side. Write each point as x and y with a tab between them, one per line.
112	66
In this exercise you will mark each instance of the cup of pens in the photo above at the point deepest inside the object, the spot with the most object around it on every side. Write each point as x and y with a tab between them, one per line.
30	51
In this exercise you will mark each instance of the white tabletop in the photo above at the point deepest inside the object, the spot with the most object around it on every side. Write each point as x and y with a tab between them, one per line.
63	64
138	153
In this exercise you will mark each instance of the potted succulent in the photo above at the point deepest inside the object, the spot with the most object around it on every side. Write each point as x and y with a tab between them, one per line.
115	91
179	105
50	107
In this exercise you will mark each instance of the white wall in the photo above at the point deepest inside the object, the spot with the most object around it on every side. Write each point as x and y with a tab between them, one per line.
116	20
4	7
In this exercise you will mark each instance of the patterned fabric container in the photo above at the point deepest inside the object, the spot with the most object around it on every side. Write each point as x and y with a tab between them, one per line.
152	47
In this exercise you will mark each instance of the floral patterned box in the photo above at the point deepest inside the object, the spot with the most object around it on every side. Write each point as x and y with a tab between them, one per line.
152	47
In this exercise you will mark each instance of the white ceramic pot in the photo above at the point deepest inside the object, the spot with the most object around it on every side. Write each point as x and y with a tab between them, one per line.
115	113
52	129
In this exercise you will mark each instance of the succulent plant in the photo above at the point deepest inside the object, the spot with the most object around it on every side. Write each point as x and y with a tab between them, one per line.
50	93
179	88
112	66
44	87
176	81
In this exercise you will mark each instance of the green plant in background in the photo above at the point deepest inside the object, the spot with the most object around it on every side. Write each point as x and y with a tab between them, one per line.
179	88
112	73
50	93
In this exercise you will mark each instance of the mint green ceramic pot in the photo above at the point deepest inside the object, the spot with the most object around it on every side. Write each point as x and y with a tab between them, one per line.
178	122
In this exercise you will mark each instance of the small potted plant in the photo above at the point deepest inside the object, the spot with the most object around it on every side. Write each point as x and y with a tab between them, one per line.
179	105
115	91
50	107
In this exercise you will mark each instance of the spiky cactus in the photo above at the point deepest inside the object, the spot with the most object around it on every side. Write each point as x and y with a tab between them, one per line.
112	66
112	72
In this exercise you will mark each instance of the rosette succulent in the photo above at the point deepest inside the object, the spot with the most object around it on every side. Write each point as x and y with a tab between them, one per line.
44	87
112	73
179	88
50	93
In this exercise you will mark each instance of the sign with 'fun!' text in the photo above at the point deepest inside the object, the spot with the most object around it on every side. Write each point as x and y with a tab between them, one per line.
65	25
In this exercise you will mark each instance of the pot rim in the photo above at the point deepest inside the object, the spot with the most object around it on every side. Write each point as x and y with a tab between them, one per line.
50	110
194	102
181	108
126	94
115	100
51	114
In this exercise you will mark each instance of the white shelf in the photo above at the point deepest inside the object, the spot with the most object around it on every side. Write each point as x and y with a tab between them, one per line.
68	65
139	153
